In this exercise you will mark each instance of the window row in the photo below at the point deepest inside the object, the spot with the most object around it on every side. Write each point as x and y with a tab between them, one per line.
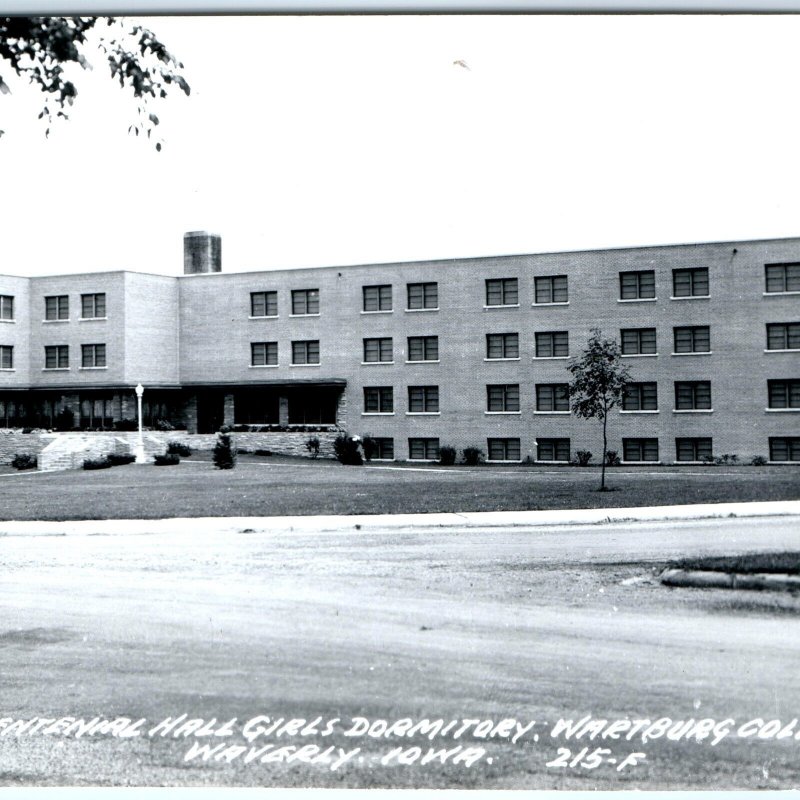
554	397
265	354
93	306
634	450
56	356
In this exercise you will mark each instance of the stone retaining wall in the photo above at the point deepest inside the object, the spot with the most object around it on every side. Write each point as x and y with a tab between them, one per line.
279	442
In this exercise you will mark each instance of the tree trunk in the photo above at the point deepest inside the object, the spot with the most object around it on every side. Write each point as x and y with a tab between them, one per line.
605	444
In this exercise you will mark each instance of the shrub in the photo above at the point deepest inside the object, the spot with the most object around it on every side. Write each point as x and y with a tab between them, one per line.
612	458
224	451
758	461
472	456
163	425
708	459
126	425
312	445
65	420
369	447
727	458
347	450
583	457
97	463
24	461
179	449
167	460
260	452
447	455
118	459
226	429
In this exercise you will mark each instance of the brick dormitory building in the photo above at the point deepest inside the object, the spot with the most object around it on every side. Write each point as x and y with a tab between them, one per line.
463	352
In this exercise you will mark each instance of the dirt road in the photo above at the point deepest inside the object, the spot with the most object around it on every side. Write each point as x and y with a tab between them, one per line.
532	626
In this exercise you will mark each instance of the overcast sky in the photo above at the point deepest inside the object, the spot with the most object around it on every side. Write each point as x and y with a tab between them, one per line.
337	140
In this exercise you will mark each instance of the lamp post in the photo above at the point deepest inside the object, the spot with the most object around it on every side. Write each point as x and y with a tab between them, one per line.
139	449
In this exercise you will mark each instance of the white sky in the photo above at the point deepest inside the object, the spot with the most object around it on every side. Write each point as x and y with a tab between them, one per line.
335	140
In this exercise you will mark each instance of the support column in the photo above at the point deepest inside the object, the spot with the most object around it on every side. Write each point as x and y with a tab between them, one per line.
128	405
341	410
228	410
190	413
283	411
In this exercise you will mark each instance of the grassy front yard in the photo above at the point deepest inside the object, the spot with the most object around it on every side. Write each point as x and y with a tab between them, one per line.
281	486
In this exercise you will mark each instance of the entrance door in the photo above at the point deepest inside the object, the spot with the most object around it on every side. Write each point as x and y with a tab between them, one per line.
210	411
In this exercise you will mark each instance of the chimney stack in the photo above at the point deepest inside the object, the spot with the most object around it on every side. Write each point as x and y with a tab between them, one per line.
202	253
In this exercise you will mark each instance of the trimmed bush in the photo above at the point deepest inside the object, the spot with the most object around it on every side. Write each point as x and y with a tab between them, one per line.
97	463
118	459
727	458
472	456
347	450
167	460
24	461
758	461
126	425
612	458
163	425
447	455
312	445
261	452
179	449
224	451
583	457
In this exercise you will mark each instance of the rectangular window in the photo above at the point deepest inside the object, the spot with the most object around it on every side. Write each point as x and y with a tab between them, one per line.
690	282
305	301
502	292
503	449
552	450
552	397
93	355
502	345
423	449
692	395
6	306
552	344
305	352
785	448
264	354
638	341
6	357
502	397
551	289
423	348
783	336
263	304
377	298
56	307
784	394
378	399
640	449
384	448
692	339
378	350
693	449
93	306
56	356
638	285
423	399
640	397
782	278
423	295
97	412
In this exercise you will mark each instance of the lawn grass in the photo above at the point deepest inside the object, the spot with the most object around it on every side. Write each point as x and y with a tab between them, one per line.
747	564
275	486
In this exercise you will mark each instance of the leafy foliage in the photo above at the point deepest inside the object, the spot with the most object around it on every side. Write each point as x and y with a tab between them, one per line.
583	457
312	445
472	456
97	463
347	450
447	455
224	452
599	380
167	460
24	461
118	459
179	449
45	49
